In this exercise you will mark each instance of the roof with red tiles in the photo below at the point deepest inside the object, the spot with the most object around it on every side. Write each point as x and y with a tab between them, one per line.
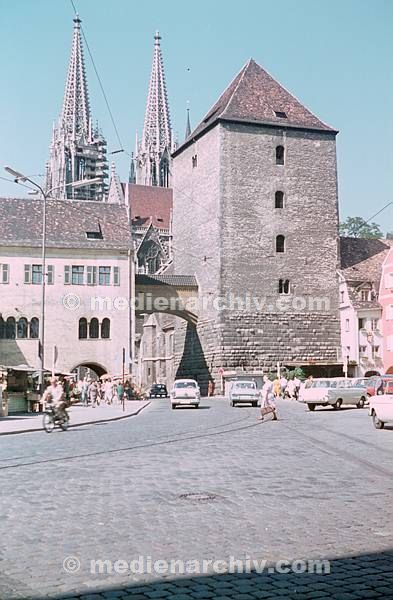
149	204
254	96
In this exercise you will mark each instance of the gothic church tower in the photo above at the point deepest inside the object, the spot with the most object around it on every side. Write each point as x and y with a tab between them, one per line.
153	151
78	151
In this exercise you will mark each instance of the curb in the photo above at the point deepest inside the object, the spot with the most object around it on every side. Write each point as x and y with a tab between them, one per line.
134	414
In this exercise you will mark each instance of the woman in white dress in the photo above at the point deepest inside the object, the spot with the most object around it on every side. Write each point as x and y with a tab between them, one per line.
267	401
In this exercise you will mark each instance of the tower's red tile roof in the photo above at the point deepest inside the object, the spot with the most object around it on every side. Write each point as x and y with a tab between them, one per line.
149	204
255	97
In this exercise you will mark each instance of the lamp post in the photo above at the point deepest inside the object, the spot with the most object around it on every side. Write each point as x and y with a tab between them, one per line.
20	178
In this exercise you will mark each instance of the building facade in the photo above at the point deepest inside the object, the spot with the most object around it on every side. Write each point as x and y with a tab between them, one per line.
386	302
88	287
361	305
255	204
78	149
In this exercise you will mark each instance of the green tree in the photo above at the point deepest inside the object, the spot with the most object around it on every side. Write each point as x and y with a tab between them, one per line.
359	228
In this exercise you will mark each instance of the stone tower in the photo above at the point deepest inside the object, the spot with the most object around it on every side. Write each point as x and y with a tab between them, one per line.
152	162
78	151
255	205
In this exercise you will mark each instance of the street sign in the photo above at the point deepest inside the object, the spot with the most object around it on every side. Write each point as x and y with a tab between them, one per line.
221	371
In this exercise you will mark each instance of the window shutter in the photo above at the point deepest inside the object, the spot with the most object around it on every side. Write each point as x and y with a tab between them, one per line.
116	276
27	273
67	274
5	274
51	274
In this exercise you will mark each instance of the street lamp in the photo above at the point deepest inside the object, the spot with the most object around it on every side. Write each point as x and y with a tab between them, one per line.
20	178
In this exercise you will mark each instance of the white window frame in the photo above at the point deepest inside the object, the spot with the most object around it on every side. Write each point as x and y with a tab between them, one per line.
5	273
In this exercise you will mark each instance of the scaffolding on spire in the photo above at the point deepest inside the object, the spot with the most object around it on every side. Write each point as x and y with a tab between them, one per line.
77	151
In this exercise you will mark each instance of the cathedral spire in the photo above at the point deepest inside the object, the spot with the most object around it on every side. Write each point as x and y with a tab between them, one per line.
78	151
75	114
156	144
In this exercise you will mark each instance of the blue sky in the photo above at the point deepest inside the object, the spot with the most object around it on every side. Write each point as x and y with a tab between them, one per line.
335	56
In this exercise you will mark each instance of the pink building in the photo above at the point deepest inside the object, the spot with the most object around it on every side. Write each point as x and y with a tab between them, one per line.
386	301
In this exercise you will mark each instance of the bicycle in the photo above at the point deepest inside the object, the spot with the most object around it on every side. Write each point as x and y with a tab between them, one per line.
52	418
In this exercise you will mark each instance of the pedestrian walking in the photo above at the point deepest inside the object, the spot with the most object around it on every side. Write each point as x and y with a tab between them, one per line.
108	391
93	393
120	392
283	383
210	388
276	388
267	400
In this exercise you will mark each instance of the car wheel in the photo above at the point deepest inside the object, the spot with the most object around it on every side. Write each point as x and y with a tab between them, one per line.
255	404
377	423
173	406
337	404
361	402
311	407
232	403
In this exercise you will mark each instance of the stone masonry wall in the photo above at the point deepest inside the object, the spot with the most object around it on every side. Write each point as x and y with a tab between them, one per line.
235	183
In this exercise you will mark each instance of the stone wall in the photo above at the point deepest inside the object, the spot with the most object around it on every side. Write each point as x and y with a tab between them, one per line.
224	210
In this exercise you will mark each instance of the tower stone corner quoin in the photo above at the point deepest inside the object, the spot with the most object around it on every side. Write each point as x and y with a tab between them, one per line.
256	207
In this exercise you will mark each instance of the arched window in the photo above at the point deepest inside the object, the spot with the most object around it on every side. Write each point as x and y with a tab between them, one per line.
94	330
105	329
2	328
279	200
280	243
279	155
34	328
22	328
82	328
10	328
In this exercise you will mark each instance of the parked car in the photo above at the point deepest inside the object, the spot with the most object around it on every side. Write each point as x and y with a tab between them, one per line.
158	390
185	392
333	392
381	407
376	384
244	392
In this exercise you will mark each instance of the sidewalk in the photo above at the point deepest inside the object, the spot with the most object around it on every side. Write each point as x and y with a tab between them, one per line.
79	415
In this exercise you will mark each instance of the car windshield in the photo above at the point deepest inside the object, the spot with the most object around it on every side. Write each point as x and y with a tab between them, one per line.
245	385
185	384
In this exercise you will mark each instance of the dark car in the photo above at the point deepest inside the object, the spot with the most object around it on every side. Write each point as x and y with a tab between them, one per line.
158	390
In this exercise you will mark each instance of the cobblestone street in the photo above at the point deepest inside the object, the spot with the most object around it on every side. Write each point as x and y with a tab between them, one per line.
195	485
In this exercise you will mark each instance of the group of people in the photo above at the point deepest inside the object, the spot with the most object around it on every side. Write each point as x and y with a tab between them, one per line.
93	392
286	387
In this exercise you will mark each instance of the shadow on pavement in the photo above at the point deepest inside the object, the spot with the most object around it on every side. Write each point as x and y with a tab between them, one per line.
350	578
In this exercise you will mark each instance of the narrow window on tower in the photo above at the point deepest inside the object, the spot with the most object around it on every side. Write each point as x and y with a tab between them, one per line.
284	286
279	200
280	243
194	161
279	155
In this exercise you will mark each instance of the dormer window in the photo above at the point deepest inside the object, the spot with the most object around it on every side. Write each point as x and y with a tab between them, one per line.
94	235
280	114
365	295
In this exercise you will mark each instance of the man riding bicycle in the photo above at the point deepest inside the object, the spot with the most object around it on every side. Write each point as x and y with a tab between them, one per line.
54	393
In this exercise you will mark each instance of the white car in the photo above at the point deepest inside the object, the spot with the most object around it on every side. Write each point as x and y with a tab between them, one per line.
244	392
333	392
381	407
185	392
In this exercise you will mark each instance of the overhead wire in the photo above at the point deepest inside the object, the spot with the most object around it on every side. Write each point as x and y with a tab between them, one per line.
99	80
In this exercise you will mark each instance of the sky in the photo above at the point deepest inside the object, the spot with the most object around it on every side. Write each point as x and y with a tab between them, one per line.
335	56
